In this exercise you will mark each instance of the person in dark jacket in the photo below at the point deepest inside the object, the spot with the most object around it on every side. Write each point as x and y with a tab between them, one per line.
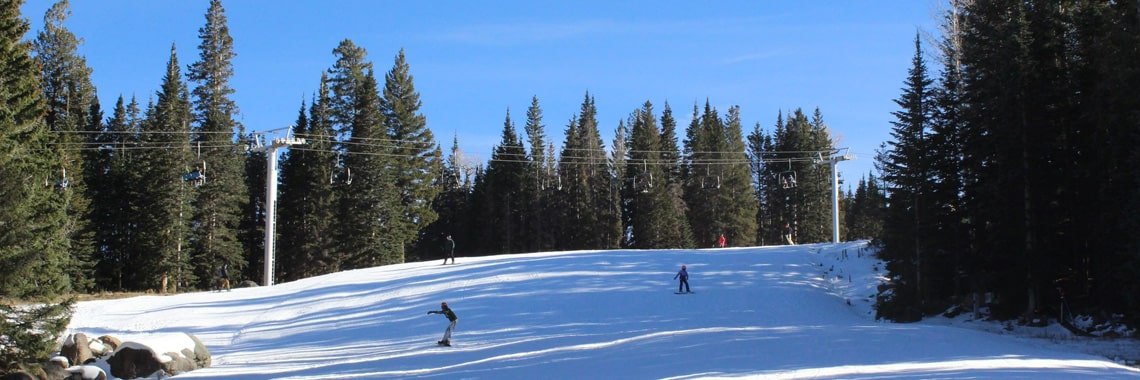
446	311
224	277
449	250
684	284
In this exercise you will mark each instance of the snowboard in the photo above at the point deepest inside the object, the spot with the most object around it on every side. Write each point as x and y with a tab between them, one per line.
443	344
683	292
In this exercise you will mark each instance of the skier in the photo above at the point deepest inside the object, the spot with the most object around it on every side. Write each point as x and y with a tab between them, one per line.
446	311
720	241
448	250
224	277
788	234
684	284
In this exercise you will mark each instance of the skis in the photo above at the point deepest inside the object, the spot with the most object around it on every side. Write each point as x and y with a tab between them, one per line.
443	343
688	292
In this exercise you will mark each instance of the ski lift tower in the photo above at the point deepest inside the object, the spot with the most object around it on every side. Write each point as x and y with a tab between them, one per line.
835	159
271	193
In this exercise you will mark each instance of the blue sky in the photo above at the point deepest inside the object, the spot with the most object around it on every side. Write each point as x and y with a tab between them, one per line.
472	61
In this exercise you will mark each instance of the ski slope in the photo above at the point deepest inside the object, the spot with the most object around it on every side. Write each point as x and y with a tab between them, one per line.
761	312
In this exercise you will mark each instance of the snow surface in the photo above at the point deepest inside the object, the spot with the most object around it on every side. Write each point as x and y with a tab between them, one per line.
761	312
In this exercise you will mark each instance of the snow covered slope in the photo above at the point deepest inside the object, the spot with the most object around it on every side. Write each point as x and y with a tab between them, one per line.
764	312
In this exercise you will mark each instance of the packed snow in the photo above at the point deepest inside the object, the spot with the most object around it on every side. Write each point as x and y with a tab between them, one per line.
782	312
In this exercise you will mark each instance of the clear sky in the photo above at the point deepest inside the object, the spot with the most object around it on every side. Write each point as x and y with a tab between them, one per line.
474	61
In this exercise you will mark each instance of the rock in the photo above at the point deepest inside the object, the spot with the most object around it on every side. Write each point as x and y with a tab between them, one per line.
76	348
131	363
201	355
110	344
180	353
180	364
247	284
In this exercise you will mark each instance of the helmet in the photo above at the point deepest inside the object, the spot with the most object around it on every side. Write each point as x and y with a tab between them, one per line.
444	304
682	267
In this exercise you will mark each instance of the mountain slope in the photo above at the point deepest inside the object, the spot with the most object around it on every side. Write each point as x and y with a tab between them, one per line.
771	312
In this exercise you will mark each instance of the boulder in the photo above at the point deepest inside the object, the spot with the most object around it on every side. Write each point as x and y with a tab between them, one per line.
141	356
76	348
131	363
247	284
109	343
200	355
178	364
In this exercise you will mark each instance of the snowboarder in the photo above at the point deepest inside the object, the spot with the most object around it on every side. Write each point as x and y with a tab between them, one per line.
684	284
446	311
448	250
788	232
224	277
720	241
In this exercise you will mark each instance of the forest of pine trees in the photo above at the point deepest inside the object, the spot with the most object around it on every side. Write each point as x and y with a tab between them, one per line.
1006	174
1010	176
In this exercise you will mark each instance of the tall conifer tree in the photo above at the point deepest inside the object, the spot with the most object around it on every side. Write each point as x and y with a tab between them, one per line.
69	94
220	200
164	202
418	165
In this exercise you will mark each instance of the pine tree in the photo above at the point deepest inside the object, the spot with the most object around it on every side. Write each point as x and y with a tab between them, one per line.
673	182
738	195
589	188
164	207
252	225
220	200
368	202
116	197
502	202
418	165
540	182
290	215
69	93
656	220
718	191
33	243
453	205
906	171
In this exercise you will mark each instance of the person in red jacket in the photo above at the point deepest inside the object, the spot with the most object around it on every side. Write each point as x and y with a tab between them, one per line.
446	311
720	241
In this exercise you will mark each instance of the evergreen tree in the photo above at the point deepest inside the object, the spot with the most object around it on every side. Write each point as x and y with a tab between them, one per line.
307	202
453	206
739	199
656	220
291	253
33	243
418	165
718	191
619	158
252	225
540	182
368	200
118	199
69	93
164	200
906	170
502	202
589	187
673	183
220	200
767	179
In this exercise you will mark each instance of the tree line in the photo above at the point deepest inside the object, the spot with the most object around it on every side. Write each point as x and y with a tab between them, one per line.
1011	175
162	192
